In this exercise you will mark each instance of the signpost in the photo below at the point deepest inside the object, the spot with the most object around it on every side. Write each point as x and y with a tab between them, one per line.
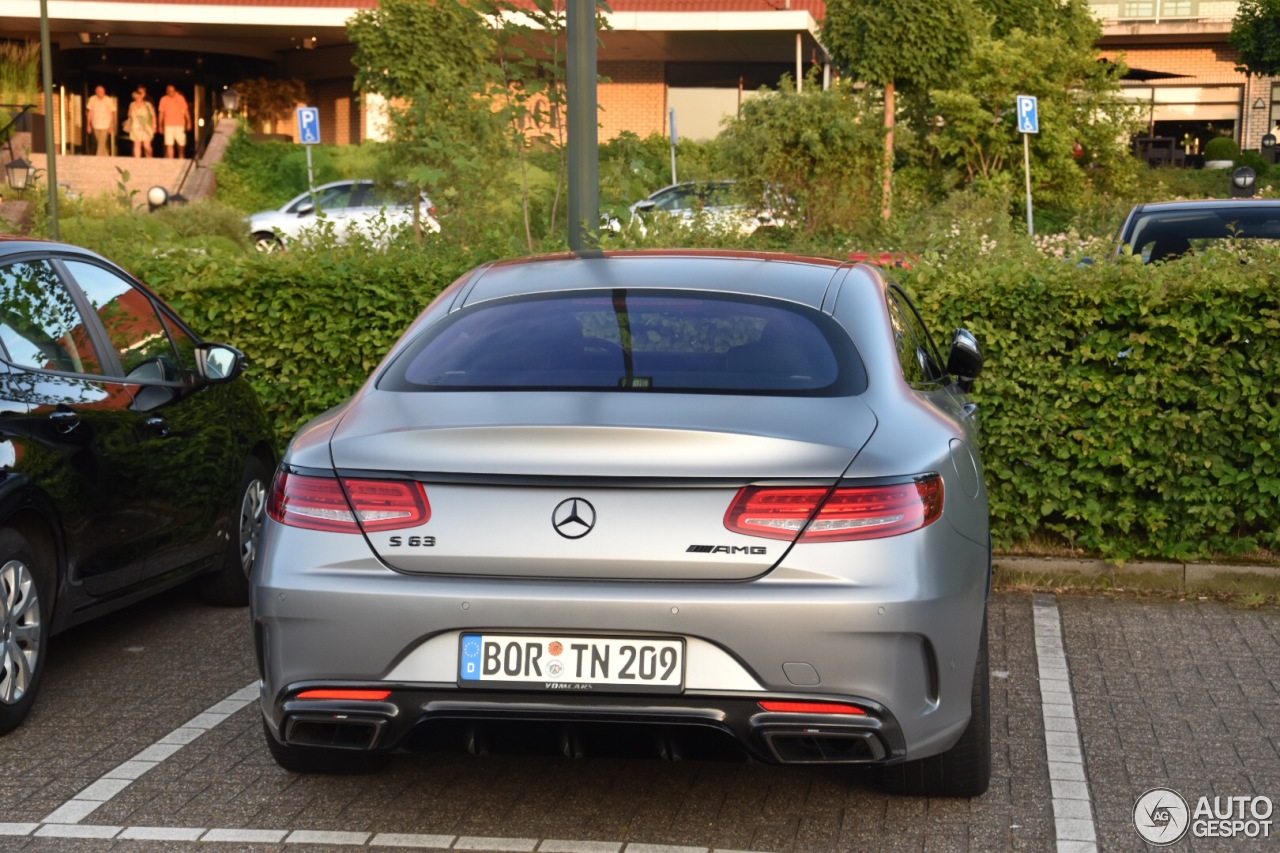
674	179
308	135
1028	123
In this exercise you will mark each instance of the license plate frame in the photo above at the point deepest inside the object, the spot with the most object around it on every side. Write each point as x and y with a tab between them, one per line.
587	662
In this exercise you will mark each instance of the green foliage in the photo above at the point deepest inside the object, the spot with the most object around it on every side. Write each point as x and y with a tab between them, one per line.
1221	148
974	127
261	175
19	72
815	155
1255	33
1129	410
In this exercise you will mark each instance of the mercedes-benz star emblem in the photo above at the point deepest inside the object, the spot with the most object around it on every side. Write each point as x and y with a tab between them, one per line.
573	518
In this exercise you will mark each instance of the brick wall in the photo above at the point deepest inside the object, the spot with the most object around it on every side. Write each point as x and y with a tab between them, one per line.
634	99
339	112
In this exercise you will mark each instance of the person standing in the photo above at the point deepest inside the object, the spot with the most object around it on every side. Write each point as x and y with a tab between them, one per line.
102	120
141	123
175	121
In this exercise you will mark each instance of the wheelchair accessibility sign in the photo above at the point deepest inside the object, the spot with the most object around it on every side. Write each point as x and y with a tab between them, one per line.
309	125
1028	114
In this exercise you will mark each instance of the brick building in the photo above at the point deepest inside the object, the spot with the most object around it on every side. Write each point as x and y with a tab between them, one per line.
698	57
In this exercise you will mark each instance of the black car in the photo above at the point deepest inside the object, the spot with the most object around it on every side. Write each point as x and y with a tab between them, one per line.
133	456
1169	230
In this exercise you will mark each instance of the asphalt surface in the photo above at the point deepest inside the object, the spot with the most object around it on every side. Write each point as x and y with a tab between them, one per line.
145	738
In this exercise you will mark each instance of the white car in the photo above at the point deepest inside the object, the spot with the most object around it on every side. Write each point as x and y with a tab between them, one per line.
347	206
715	202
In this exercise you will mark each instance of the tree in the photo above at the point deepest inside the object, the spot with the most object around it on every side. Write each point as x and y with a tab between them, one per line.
1255	33
433	62
911	44
1052	56
267	102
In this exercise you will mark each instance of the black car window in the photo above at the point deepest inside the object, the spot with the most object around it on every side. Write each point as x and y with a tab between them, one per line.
40	324
628	340
133	325
921	364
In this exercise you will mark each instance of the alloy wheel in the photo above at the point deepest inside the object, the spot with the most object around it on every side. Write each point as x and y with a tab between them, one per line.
253	510
19	630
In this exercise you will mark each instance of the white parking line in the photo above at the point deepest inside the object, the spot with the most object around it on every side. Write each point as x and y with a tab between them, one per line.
122	776
1072	805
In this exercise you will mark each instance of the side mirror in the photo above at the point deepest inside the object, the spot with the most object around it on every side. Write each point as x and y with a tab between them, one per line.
964	362
644	206
219	362
307	210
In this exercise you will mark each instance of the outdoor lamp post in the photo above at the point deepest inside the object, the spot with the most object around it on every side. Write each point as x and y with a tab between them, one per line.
230	100
1243	182
157	197
19	172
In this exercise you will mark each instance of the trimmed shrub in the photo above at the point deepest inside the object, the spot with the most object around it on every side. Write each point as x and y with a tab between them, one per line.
1221	148
1128	410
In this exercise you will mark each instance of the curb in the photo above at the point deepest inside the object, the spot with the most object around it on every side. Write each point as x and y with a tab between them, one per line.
1185	572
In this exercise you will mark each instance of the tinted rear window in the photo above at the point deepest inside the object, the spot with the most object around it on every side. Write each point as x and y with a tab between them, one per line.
629	340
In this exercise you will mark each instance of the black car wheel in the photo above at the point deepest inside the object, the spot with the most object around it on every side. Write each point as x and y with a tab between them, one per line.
25	598
228	586
965	769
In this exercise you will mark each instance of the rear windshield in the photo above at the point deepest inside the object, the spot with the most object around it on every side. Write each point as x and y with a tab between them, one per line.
631	340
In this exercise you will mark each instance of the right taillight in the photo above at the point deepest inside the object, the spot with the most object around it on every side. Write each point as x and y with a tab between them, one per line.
347	505
842	514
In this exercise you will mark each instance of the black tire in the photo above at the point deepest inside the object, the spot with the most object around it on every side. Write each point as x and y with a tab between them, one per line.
965	769
264	242
228	585
26	604
310	759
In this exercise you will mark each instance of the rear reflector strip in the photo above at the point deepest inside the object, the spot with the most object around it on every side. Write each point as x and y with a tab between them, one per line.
819	514
813	708
357	695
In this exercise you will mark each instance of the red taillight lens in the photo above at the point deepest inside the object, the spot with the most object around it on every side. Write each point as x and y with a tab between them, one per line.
813	708
357	695
346	506
840	515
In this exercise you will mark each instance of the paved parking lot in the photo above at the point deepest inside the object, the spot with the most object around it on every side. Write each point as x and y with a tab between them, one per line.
146	738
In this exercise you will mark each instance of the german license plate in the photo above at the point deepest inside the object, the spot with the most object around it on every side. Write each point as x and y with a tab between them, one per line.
648	664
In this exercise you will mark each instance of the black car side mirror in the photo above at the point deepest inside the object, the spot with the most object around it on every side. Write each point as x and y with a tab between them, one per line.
964	362
219	362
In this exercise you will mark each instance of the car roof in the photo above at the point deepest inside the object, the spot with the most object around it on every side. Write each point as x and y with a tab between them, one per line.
780	276
15	244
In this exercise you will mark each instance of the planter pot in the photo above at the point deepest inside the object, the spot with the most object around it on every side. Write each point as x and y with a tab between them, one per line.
1219	164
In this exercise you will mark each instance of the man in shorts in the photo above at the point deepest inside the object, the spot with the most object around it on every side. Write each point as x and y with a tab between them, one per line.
175	121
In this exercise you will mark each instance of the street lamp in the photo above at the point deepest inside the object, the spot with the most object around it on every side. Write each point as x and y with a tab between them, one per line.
230	100
1243	181
19	172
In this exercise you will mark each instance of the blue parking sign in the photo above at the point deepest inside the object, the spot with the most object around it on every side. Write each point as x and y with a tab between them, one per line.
1028	114
309	125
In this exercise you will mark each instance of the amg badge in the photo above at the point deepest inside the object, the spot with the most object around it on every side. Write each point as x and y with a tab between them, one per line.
726	549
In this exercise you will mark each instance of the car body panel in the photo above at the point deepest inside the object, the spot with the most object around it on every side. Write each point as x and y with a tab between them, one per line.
346	207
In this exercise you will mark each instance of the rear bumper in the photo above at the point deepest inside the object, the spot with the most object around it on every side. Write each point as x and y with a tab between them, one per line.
412	716
894	631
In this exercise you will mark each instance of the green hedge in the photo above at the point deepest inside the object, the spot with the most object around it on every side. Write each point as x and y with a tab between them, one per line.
1127	410
314	323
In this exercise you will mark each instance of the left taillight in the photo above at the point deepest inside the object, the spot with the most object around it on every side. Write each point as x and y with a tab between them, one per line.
348	504
847	513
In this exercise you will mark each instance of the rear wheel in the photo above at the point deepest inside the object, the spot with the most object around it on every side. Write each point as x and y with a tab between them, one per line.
965	769
229	585
310	759
26	596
